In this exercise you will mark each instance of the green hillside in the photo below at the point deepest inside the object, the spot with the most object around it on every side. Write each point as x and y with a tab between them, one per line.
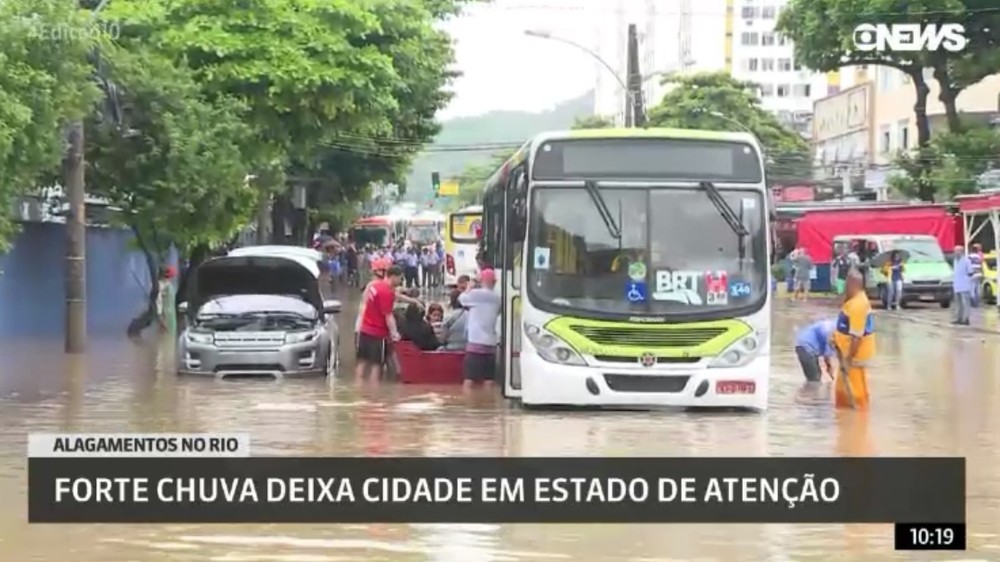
495	127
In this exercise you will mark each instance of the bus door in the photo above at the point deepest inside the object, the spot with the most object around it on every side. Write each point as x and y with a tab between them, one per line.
515	223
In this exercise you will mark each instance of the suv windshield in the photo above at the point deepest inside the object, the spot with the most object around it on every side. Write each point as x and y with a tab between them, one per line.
921	250
673	252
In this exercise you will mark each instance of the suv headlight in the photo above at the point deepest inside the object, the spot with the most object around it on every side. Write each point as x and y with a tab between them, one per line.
740	353
551	348
201	337
300	337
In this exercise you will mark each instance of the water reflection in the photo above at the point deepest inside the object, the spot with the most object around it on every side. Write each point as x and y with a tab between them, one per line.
933	394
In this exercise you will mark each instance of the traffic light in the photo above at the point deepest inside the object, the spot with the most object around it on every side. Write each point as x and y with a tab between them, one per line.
436	183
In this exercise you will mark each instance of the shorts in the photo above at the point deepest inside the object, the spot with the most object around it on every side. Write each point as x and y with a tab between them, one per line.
809	363
840	285
802	285
372	349
480	367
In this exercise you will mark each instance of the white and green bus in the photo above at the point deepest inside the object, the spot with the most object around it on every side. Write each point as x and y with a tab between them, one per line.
634	269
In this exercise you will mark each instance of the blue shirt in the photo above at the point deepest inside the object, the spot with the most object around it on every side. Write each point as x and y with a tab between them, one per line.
816	338
412	260
962	280
897	270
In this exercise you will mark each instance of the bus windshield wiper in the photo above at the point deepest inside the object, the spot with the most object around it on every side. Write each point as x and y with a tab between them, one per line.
725	211
602	209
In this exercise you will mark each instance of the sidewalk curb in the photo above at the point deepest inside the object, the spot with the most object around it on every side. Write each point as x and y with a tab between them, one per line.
935	323
833	301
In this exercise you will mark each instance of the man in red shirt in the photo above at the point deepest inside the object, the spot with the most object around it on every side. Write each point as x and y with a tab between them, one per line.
378	325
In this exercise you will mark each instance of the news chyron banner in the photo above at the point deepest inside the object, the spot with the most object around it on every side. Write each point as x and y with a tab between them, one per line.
211	479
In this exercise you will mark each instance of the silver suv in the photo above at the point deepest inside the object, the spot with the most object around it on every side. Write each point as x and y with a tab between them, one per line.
257	314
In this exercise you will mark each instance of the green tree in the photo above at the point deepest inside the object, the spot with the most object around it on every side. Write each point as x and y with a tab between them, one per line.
593	122
823	33
44	84
331	87
716	101
175	166
954	72
957	162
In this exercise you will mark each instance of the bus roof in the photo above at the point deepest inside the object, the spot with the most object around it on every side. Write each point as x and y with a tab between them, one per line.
469	209
654	132
619	133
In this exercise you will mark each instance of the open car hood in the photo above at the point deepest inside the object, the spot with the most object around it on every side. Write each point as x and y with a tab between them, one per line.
253	275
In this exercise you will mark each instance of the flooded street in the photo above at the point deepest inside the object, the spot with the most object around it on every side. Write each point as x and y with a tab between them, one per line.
935	392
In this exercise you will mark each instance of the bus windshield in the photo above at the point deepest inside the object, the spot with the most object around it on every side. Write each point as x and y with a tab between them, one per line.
423	233
465	227
375	235
674	253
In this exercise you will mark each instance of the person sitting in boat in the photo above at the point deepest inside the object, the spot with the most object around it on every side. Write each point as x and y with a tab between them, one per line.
417	330
455	324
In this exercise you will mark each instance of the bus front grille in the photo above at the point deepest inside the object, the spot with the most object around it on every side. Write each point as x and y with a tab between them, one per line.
647	336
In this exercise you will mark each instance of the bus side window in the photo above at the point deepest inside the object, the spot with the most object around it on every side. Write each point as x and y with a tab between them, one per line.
492	228
518	216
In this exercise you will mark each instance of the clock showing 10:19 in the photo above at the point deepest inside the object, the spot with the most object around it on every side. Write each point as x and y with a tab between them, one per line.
930	536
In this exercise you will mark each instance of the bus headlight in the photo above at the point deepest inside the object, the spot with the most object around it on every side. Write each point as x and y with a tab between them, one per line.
739	354
551	348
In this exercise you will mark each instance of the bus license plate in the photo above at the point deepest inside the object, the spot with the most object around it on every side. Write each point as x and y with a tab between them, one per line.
735	387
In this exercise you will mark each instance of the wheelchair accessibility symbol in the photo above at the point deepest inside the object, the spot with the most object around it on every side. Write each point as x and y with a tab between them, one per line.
635	291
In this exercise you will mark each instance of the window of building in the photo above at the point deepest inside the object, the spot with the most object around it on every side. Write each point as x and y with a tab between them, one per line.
781	39
767	65
768	12
767	38
884	139
782	90
766	90
904	134
784	65
802	90
752	64
749	12
750	38
798	67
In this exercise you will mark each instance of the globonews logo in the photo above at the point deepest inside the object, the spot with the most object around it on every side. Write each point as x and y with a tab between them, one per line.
910	37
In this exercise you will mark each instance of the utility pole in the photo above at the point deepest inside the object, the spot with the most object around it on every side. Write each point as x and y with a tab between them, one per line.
76	247
635	107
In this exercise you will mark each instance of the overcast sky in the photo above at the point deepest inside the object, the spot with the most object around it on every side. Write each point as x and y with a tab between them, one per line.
503	69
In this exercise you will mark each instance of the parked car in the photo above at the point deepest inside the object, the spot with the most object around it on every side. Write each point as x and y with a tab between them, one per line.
257	313
989	289
928	275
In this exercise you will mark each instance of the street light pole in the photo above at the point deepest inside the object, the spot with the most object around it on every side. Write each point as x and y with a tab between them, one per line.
76	247
631	93
74	184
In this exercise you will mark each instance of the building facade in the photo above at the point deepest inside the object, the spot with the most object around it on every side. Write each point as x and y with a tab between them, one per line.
676	36
894	123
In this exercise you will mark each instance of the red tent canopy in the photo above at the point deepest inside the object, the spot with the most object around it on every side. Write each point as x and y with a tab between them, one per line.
978	203
818	228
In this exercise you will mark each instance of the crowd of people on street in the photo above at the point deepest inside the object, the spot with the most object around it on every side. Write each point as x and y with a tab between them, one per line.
967	279
468	327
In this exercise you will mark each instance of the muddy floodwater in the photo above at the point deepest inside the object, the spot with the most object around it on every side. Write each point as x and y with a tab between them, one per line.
935	392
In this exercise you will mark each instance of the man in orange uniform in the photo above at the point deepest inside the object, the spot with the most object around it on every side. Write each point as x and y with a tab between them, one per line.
854	339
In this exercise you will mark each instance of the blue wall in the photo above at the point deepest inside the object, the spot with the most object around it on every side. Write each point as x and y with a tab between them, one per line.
32	281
